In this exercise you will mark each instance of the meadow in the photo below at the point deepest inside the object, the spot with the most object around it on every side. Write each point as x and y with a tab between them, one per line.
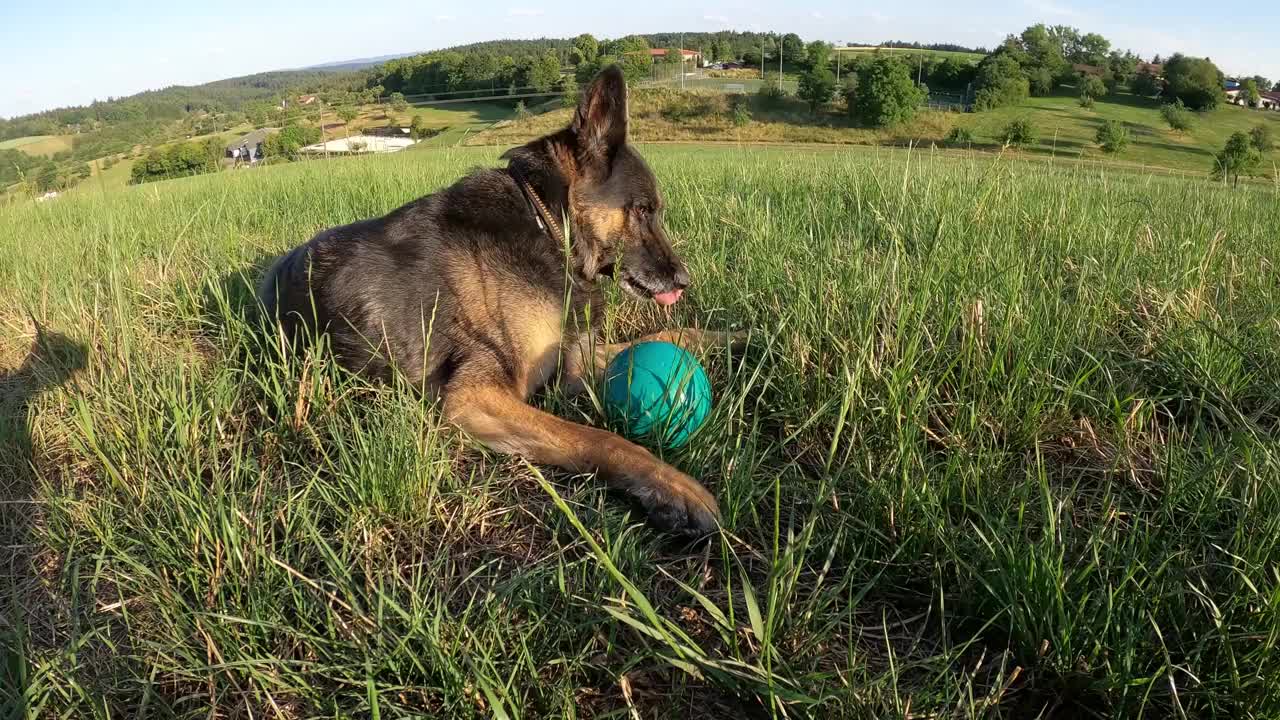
38	144
1065	131
1004	444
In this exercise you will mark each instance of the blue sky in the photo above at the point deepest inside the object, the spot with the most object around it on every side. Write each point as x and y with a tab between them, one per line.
75	50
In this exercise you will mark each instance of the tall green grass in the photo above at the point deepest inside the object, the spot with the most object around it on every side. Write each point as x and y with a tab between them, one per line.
1006	443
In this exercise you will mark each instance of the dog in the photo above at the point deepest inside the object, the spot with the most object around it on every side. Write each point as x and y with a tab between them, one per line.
482	293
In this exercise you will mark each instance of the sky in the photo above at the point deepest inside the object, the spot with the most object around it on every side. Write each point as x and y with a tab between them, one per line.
80	50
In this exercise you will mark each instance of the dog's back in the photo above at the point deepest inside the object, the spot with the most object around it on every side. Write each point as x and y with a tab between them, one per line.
465	271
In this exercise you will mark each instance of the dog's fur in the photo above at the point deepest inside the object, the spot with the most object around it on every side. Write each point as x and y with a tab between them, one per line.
464	292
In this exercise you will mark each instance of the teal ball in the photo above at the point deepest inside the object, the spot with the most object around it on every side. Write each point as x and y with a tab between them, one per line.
656	391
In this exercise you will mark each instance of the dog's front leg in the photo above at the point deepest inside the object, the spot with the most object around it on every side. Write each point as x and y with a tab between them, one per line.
501	420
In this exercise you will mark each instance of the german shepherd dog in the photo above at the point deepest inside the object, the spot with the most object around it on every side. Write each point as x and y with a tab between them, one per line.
476	295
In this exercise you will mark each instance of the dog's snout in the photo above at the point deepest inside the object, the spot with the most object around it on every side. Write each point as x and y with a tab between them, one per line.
681	277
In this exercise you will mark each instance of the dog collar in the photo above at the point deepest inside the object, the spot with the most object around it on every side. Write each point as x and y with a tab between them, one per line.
546	221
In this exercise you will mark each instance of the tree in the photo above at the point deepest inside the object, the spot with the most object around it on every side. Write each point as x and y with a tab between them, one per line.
673	56
885	93
816	86
1260	138
1145	84
418	128
348	113
398	103
1249	91
1177	115
818	54
1000	82
585	49
543	72
1018	133
1113	137
721	50
1238	157
1044	59
1094	50
793	50
1197	82
1041	81
1091	88
1264	85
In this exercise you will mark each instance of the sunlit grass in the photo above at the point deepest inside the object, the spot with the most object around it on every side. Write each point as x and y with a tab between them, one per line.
1006	444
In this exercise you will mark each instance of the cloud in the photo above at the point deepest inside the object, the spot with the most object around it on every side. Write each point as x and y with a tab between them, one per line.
717	19
816	15
446	18
525	12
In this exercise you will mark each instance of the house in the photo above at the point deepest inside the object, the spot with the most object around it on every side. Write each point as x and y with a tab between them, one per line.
1270	100
1082	69
249	147
307	99
1152	69
689	55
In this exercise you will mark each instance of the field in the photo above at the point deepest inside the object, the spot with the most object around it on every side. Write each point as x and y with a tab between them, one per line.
1004	445
970	57
38	144
1067	130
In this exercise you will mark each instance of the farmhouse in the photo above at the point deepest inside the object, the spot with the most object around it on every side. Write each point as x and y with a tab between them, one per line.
688	55
306	99
1270	101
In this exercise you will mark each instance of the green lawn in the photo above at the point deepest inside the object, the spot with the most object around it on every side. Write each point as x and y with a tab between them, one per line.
1066	129
1005	444
38	144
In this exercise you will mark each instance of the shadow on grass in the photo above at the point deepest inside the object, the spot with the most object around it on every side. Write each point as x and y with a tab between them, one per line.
28	611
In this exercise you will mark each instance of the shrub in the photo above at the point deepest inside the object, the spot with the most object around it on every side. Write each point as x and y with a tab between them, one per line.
1018	133
1087	102
739	111
1177	115
522	112
1260	138
1092	88
960	137
1238	157
1113	137
771	96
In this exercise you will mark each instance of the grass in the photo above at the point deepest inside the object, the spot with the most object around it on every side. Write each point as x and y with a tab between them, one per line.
39	144
1067	130
1005	445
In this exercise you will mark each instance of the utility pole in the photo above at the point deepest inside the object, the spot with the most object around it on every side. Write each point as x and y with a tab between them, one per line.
779	63
681	61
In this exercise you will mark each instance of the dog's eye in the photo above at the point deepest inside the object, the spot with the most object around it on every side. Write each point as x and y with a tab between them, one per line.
642	210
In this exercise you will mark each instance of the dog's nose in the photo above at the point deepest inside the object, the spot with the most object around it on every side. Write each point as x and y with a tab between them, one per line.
681	279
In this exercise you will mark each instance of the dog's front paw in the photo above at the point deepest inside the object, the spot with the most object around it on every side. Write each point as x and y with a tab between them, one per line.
679	504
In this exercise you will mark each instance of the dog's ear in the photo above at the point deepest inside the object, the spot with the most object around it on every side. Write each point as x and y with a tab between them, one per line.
600	124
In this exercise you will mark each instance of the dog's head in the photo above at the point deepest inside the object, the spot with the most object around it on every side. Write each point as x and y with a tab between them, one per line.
612	197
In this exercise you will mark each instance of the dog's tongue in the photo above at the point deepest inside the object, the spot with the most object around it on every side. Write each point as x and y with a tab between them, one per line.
668	298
